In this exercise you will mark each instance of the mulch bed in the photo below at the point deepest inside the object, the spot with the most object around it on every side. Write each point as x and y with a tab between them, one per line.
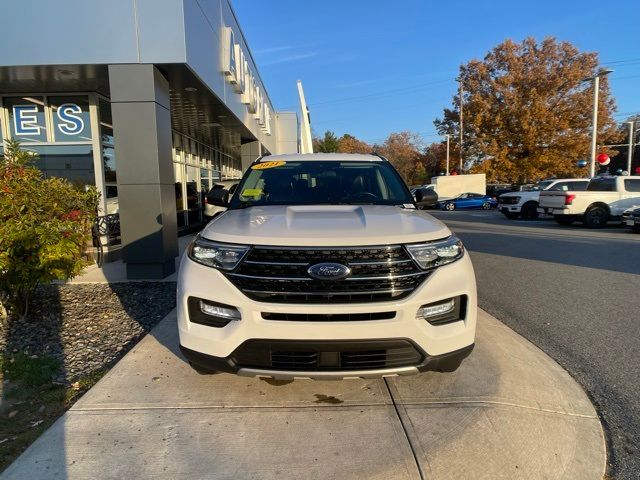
87	327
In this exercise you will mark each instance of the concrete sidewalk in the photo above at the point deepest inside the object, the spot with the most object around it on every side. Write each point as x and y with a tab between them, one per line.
509	412
116	272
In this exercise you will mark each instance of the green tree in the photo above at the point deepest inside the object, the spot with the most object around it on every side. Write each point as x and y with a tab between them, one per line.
327	144
527	110
45	225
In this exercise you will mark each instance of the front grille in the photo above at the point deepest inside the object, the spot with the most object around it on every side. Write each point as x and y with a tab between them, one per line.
327	355
509	200
328	317
279	275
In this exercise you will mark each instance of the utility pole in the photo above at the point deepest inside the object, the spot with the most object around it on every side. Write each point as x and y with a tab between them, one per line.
447	135
460	92
594	126
631	145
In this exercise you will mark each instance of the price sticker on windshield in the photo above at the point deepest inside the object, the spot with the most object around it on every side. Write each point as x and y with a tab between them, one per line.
252	192
265	165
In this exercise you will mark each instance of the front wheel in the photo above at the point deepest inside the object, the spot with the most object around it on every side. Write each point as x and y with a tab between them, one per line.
450	206
635	229
530	211
563	220
596	217
486	206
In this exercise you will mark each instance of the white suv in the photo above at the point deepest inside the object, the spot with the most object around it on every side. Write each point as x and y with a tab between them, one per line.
322	267
525	203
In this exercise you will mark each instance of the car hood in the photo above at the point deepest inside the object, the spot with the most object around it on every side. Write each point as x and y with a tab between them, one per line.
325	225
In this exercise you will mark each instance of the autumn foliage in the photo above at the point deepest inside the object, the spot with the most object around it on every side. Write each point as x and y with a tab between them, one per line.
527	111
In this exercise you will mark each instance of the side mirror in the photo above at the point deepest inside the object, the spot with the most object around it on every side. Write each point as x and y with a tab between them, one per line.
426	197
218	197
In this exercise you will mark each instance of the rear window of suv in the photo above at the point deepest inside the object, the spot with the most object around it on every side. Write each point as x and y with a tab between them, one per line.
602	185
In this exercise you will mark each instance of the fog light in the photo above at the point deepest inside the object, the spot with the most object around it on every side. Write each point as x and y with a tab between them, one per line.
211	314
438	309
444	311
219	311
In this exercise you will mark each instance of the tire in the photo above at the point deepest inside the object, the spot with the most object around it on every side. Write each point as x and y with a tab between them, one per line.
596	217
530	211
563	220
635	229
511	215
486	206
450	207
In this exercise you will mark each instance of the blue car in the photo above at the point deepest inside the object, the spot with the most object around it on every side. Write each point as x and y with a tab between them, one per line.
468	201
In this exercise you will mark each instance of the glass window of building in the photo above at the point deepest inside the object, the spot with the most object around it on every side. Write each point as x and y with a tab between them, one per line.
26	119
73	162
108	157
71	121
193	195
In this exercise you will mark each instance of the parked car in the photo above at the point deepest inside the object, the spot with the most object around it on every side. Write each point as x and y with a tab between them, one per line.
498	189
525	203
466	201
425	197
605	199
631	218
321	267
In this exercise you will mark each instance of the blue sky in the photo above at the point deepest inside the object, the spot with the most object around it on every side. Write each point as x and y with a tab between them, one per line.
374	67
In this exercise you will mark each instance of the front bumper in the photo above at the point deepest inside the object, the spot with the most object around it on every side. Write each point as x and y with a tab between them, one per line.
214	348
509	208
447	362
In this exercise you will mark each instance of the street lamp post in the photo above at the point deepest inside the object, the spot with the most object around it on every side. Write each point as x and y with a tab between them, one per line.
447	135
631	145
594	126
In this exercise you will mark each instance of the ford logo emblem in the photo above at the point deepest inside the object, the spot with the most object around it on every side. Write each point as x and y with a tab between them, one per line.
329	271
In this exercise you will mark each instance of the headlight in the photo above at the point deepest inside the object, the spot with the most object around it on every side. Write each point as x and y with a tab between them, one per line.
435	254
217	255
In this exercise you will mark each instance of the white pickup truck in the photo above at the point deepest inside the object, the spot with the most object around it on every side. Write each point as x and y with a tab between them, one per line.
605	199
525	203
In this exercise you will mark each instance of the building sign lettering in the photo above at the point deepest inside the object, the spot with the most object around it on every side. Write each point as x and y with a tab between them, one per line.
70	121
25	120
237	72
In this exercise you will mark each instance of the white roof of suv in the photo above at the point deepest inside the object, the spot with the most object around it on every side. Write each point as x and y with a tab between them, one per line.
325	157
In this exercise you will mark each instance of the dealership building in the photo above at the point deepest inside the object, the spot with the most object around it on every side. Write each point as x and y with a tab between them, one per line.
150	101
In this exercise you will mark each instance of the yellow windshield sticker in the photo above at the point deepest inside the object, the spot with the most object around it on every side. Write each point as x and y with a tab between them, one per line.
265	165
252	192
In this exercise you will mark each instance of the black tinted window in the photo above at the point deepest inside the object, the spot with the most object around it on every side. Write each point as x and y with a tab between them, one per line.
602	185
578	186
632	185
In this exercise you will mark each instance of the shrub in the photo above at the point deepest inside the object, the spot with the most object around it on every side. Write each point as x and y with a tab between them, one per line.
45	224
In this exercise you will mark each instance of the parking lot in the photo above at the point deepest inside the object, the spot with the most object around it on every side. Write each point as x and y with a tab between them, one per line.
574	293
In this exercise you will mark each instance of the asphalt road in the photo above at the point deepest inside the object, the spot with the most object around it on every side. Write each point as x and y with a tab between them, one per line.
575	293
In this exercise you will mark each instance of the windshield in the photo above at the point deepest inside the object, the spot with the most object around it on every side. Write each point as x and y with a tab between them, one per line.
321	182
541	186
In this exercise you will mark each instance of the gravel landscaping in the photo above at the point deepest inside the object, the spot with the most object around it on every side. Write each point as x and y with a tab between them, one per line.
86	327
